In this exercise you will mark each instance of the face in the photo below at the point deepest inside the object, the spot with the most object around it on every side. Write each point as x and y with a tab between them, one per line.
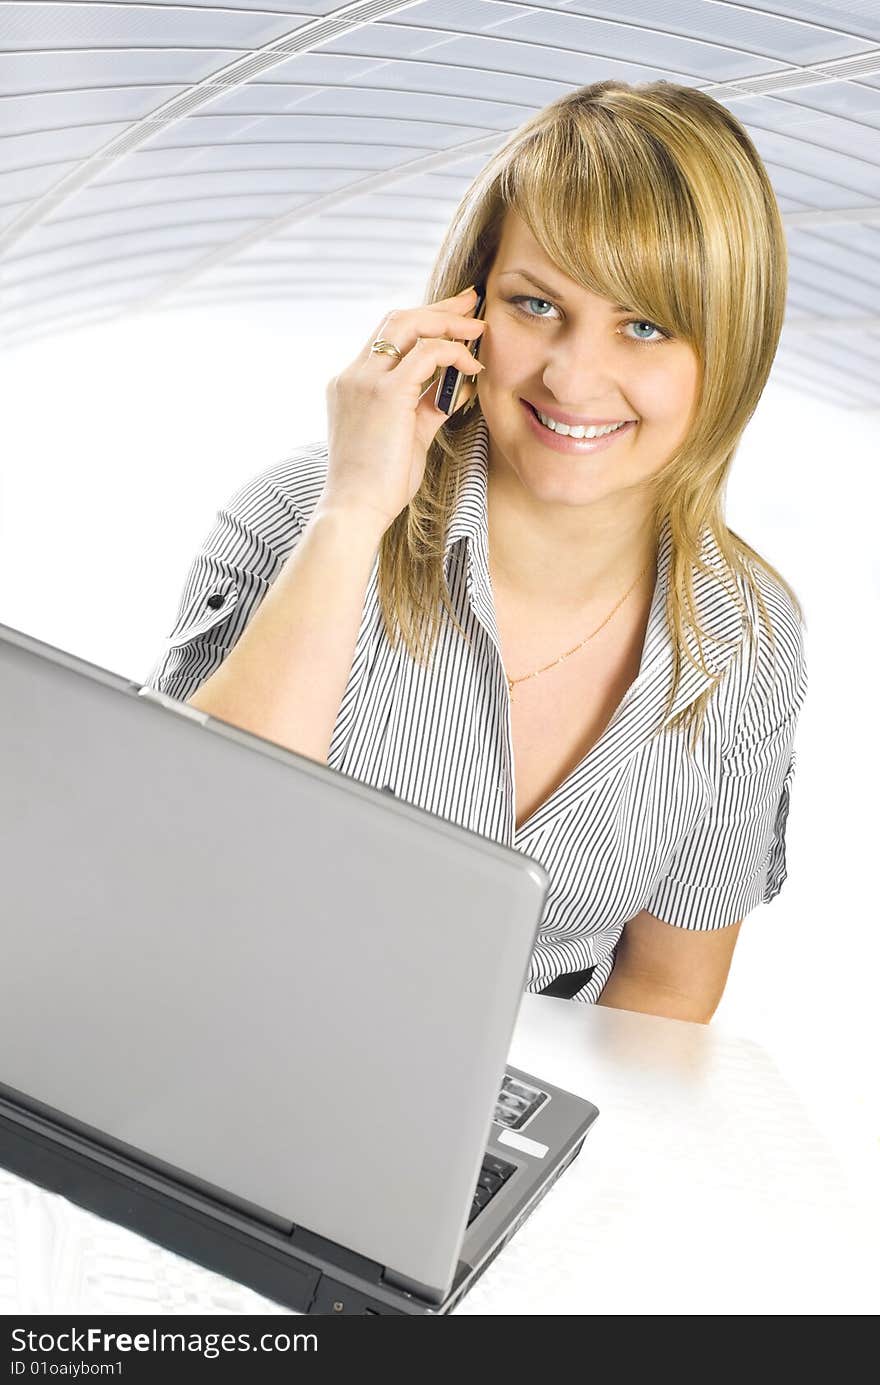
552	347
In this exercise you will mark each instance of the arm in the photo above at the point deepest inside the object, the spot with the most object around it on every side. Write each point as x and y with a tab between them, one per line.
674	957
675	972
285	677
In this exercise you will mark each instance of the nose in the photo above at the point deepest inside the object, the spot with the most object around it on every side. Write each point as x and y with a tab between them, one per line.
579	370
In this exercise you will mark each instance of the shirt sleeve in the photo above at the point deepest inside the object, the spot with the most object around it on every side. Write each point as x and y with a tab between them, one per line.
734	859
242	554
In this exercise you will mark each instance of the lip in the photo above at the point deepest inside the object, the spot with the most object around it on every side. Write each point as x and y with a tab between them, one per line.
575	420
558	442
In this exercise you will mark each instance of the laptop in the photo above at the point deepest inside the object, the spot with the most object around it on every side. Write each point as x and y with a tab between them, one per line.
258	1011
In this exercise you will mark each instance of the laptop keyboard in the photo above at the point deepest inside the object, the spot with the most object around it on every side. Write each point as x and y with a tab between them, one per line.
493	1175
517	1103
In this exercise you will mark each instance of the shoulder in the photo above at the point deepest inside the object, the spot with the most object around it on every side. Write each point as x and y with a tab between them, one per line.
291	487
773	662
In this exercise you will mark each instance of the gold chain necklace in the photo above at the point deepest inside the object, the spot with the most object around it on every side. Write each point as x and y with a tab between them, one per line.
512	682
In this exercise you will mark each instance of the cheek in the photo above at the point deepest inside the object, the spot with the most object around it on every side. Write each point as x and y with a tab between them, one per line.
504	353
664	396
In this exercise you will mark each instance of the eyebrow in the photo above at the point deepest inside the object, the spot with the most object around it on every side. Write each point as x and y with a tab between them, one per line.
545	288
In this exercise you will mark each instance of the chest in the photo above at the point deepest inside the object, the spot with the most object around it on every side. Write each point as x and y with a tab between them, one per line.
558	717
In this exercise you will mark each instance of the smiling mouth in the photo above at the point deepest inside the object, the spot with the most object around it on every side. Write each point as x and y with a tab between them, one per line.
565	430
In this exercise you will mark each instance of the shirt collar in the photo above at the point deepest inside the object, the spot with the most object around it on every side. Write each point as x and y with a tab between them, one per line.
470	517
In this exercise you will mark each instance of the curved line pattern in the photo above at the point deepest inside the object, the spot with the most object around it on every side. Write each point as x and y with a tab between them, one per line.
302	39
183	288
241	70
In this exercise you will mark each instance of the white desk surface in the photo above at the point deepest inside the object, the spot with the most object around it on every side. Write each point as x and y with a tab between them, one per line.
705	1186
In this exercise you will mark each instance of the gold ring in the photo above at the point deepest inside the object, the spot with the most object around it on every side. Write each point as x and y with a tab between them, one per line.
381	347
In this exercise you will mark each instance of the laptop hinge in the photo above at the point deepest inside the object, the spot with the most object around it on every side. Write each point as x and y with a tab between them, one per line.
336	1255
411	1287
182	708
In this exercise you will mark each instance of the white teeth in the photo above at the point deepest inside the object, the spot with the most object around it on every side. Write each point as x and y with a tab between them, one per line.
578	430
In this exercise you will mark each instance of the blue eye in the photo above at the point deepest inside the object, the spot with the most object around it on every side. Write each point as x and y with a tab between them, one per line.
524	298
658	334
643	322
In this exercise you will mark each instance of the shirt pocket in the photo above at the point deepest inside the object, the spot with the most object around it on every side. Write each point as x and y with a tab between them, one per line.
207	609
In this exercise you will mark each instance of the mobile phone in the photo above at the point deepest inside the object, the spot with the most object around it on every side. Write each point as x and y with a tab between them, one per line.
450	382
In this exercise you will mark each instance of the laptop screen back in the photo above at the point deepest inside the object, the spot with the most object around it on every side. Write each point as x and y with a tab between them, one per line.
250	966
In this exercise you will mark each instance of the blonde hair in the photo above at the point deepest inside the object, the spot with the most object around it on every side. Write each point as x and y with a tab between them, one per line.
654	196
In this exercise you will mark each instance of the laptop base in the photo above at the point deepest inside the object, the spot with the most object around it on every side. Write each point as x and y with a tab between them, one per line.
300	1270
287	1268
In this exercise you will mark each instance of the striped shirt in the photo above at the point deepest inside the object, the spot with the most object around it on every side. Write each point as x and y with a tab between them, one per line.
642	822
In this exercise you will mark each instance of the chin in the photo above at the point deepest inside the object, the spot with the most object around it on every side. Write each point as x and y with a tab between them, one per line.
554	484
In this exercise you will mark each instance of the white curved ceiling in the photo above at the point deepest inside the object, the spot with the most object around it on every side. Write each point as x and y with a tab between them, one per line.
160	155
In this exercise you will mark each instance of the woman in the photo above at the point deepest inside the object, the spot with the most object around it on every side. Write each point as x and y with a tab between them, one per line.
549	638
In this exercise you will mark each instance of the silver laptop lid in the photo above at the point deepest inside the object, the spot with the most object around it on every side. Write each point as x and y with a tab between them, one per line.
250	966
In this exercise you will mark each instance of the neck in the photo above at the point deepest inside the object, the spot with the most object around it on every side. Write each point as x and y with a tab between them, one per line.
570	558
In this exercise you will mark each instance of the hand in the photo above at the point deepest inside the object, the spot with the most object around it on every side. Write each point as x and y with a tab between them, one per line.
381	423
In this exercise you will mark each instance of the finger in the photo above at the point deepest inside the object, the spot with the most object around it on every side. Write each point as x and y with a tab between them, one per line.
406	332
467	296
403	326
406	324
432	353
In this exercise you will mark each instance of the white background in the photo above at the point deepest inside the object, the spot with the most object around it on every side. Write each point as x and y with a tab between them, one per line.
122	440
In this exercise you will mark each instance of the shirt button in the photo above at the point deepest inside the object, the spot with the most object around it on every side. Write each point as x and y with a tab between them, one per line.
216	601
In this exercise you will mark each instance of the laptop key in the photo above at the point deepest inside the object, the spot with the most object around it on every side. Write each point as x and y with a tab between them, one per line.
490	1181
493	1175
500	1167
